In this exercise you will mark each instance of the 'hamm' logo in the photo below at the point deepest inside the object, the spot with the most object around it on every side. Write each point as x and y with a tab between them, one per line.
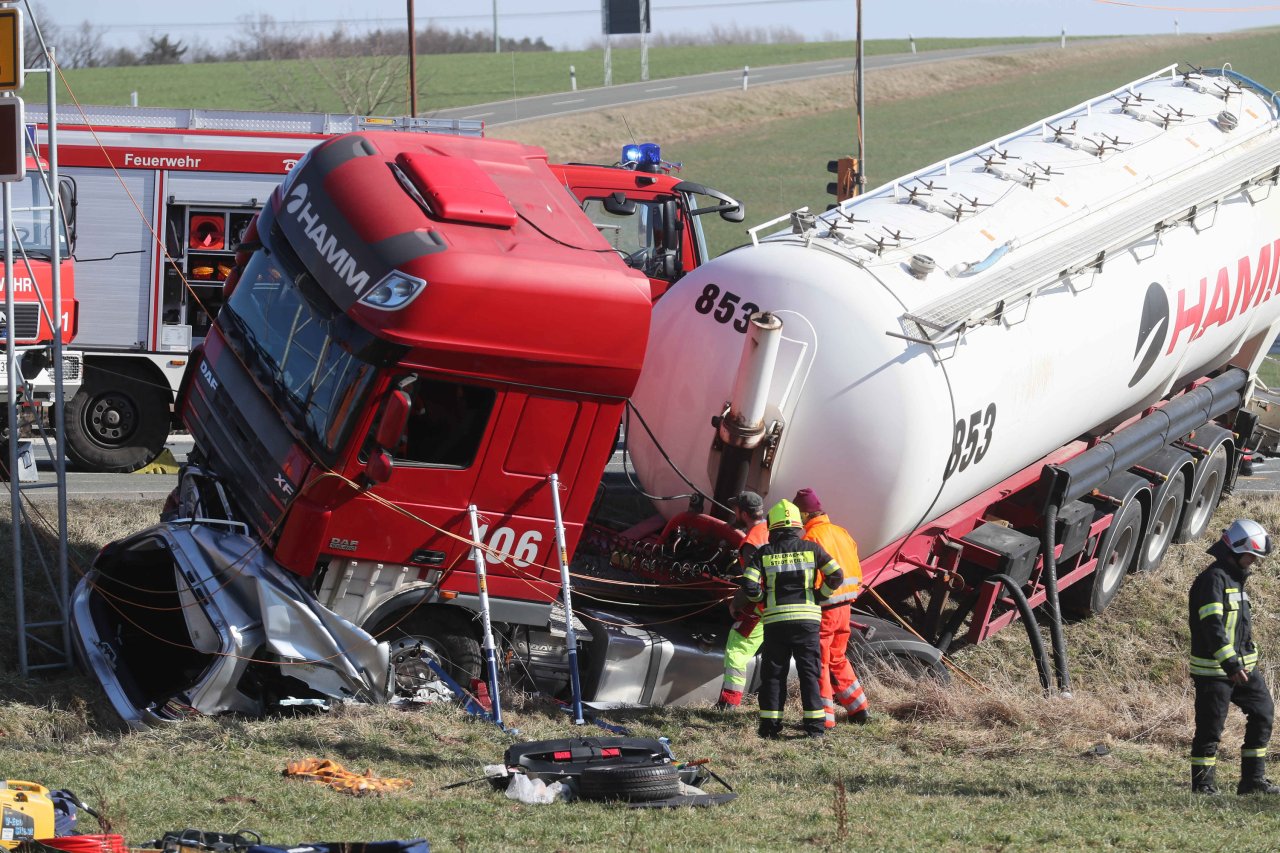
297	198
317	232
1151	331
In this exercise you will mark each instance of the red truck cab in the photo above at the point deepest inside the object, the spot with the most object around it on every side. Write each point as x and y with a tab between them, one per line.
32	323
650	218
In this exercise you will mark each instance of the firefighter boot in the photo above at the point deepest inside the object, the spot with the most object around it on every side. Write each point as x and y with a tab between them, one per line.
1253	778
770	730
1202	779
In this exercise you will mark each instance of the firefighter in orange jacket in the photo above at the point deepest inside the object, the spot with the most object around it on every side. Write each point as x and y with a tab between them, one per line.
745	635
839	681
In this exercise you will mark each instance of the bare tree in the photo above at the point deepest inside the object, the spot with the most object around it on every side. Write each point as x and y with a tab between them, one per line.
83	47
363	85
38	22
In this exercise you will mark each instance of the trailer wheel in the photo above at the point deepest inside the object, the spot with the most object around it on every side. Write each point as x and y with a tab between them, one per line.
1164	522
1204	498
636	782
117	422
1117	555
440	635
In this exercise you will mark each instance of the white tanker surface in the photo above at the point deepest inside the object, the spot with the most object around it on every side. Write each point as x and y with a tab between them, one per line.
952	327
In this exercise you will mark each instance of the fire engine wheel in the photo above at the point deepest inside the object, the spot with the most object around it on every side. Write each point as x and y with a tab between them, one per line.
116	422
441	636
1164	522
1204	498
636	782
1117	555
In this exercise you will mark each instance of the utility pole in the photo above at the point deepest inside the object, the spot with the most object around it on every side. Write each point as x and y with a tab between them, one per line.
497	44
862	152
413	63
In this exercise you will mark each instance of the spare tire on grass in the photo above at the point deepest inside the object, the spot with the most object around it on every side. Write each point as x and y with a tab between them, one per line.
634	782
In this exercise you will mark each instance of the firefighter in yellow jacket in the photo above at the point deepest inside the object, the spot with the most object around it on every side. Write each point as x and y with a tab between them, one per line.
783	573
838	679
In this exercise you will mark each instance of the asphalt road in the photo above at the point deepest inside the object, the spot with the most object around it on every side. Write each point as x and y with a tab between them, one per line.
584	100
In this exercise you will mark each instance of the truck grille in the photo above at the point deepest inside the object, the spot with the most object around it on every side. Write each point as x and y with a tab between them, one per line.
26	321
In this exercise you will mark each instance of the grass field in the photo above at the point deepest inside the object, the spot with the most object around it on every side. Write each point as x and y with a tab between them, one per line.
991	768
444	81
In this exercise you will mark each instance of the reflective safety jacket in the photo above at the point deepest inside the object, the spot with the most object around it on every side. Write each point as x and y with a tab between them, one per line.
840	545
1221	627
784	575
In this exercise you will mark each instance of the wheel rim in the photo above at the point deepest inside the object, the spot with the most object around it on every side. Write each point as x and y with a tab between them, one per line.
1162	527
111	419
1200	509
409	656
1117	560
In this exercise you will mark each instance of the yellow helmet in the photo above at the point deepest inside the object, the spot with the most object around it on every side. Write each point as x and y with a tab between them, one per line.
784	514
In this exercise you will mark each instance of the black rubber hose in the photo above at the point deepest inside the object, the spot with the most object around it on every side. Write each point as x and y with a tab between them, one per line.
957	619
1051	600
1033	628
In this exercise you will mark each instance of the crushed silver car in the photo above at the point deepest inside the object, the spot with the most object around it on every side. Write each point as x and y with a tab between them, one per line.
193	618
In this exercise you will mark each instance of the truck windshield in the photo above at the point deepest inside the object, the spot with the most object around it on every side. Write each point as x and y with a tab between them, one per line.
303	352
31	226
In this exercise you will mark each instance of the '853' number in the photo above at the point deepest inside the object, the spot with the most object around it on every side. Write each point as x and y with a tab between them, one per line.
724	305
970	440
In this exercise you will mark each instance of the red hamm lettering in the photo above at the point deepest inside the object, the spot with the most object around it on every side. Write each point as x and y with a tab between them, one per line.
1247	286
1187	318
1221	304
1265	293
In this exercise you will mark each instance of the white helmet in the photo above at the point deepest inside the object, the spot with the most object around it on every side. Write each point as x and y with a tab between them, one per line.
1245	536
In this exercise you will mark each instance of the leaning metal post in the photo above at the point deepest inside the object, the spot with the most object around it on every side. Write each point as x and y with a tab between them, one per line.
570	636
490	657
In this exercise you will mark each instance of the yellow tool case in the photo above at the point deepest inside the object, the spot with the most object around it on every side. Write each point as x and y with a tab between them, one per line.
26	813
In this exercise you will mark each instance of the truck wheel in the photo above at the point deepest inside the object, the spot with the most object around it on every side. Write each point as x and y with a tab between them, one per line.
441	636
1164	521
1204	499
1117	554
636	782
116	422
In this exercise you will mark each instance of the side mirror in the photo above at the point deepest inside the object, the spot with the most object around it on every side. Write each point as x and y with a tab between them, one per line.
395	417
67	200
379	467
619	205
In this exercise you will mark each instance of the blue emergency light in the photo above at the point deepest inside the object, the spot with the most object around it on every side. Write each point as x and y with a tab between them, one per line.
642	154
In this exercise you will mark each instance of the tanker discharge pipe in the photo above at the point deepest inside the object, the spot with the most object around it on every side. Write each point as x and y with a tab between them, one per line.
742	427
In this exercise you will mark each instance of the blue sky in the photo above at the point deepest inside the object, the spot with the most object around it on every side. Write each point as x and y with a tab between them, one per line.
573	23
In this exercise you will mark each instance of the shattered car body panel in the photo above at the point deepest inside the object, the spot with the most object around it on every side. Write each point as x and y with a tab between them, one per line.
194	618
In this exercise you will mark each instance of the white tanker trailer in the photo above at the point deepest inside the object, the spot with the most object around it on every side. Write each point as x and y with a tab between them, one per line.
945	337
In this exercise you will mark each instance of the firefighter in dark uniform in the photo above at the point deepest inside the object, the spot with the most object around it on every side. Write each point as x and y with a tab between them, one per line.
1224	661
783	575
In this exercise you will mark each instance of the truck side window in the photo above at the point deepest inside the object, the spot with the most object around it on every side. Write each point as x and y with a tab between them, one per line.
633	236
446	423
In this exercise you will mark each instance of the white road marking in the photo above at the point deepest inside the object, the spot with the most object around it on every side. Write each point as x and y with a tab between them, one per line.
660	89
561	103
478	115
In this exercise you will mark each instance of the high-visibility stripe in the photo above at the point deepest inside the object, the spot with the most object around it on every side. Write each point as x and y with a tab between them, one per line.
1259	752
819	714
770	715
792	616
1211	609
1225	652
1203	760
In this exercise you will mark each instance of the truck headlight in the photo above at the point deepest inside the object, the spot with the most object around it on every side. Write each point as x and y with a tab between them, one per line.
394	292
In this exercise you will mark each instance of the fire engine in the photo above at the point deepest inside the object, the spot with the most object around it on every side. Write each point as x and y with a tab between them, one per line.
163	198
1017	372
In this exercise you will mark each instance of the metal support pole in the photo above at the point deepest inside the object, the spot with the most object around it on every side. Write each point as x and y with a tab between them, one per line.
490	656
570	636
644	41
862	151
11	373
59	397
413	64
